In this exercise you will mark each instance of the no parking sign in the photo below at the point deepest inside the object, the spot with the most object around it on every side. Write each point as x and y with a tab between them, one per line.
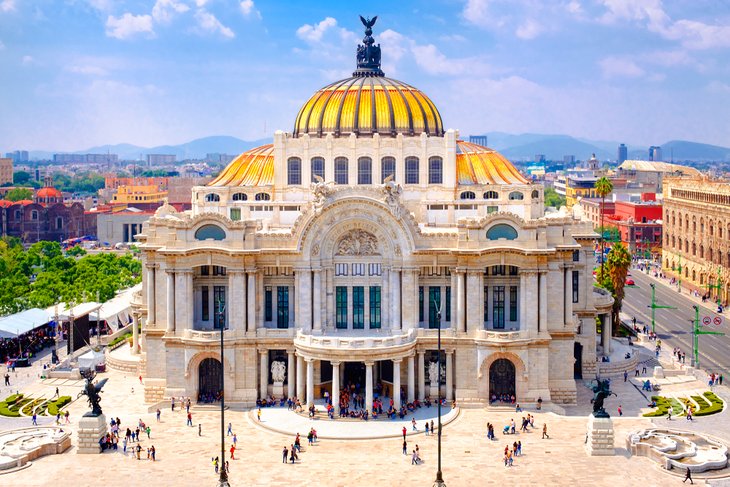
717	321
706	320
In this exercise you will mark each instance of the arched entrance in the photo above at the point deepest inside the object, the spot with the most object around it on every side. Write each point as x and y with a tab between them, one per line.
578	360
501	377
209	380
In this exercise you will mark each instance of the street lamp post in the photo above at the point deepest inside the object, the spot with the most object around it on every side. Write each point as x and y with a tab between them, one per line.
223	479
439	482
696	332
655	306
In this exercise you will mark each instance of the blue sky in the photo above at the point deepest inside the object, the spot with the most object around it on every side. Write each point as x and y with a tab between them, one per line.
76	73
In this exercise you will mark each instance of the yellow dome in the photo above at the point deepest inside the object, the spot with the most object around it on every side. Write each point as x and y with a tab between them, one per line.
365	105
476	164
254	167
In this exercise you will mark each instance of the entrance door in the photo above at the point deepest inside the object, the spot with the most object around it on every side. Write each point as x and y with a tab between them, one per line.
578	364
209	380
501	377
355	374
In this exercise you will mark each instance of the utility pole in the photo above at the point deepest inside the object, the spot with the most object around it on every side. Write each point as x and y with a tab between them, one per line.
655	306
696	336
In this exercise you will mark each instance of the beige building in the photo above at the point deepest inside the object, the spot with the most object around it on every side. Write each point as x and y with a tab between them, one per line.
6	170
697	234
334	255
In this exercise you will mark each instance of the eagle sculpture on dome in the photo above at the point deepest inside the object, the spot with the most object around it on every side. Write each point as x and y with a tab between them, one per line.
368	55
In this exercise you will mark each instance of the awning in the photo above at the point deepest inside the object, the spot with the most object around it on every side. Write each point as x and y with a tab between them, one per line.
23	322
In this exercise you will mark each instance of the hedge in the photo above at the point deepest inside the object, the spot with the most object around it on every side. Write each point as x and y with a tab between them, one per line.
55	406
662	407
13	398
4	411
119	339
715	404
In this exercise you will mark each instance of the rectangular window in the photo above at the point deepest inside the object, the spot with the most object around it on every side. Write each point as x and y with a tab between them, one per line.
204	270
341	176
358	307
341	269
219	305
205	304
374	306
235	214
434	305
282	306
498	307
576	255
576	277
513	303
364	170
219	270
492	209
358	269
420	304
268	304
498	270
411	170
341	307
486	303
374	269
447	305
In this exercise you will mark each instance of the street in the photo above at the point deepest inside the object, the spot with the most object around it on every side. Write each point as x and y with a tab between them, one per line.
674	326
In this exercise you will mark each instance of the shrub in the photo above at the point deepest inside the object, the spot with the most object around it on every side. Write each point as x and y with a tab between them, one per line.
715	404
55	406
13	398
118	339
4	411
662	407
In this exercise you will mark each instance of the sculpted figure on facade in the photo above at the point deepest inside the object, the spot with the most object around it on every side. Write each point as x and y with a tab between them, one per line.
358	242
433	371
392	193
321	191
278	371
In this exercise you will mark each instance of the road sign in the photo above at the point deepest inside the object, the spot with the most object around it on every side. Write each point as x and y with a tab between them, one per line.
706	320
717	321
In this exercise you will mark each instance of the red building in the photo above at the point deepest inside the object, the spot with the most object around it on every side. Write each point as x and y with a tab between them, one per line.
639	224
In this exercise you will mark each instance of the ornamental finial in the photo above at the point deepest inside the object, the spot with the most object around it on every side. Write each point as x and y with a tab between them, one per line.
368	54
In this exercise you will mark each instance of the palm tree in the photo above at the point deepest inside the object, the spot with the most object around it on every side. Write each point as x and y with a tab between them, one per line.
603	186
619	262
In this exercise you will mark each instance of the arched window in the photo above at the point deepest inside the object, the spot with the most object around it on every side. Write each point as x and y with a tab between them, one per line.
535	194
240	196
294	171
387	167
59	223
341	176
516	195
694	248
212	198
262	197
411	170
207	232
436	170
491	195
467	195
364	170
317	168
502	230
702	251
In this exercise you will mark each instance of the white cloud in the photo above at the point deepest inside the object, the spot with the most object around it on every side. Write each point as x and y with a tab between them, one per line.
618	67
128	25
7	5
698	35
87	70
574	7
101	5
314	33
209	23
164	10
27	60
200	3
529	29
650	11
248	9
477	12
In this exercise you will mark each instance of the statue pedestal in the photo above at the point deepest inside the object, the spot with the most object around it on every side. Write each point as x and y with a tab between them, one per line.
91	430
658	372
277	390
600	437
434	393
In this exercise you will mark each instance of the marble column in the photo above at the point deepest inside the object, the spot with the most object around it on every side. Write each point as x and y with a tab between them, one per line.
542	315
369	386
300	379
411	379
190	301
385	305
606	334
234	301
317	301
310	381
460	302
531	296
396	384
180	300
251	311
304	293
449	375
568	280
410	300
135	334
170	301
395	286
151	318
523	301
329	298
336	387
264	374
421	376
290	382
474	300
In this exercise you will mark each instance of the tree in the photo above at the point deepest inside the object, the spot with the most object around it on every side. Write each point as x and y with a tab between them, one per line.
613	279
603	186
21	177
552	198
17	194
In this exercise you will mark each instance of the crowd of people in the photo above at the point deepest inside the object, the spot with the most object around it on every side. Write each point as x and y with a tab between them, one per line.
27	345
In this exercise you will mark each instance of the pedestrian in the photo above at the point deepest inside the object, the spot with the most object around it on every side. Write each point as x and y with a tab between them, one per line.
426	428
719	379
136	434
139	452
413	423
688	476
200	429
404	432
35	420
159	413
414	458
230	429
258	414
637	371
292	454
233	451
190	420
235	439
147	430
626	375
172	404
7	379
620	412
124	445
405	447
228	469
57	395
669	414
643	367
284	454
432	430
519	448
215	464
152	452
67	415
544	432
140	379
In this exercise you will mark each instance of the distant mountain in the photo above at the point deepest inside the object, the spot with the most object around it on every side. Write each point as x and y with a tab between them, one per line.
682	150
554	147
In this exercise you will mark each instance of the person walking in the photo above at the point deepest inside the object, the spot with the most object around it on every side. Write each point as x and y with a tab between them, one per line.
620	412
190	420
152	452
413	424
147	430
159	413
688	476
235	440
414	458
426	428
258	415
404	432
233	451
432	430
35	420
405	447
215	464
544	432
284	454
626	375
230	429
200	429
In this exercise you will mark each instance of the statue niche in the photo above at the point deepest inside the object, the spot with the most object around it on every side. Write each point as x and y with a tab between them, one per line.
358	242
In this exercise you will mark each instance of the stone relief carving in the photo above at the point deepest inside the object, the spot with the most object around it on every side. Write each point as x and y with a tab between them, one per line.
391	195
433	373
322	192
278	371
358	242
398	251
315	250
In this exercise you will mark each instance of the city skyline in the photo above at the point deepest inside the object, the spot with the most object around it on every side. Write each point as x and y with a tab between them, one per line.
84	73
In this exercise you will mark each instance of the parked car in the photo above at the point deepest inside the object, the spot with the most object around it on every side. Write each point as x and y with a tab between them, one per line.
630	282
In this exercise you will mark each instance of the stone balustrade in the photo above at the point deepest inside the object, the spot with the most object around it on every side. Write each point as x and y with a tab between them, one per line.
355	342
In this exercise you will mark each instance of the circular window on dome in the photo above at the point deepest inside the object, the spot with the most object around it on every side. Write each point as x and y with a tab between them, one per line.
210	232
502	230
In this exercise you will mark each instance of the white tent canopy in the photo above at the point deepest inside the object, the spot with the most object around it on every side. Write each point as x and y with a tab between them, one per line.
91	359
116	312
23	322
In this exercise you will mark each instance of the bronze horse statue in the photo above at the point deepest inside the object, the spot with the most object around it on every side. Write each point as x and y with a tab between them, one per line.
600	392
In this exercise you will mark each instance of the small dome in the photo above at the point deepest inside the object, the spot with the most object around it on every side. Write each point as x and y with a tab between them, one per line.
476	164
254	167
48	192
